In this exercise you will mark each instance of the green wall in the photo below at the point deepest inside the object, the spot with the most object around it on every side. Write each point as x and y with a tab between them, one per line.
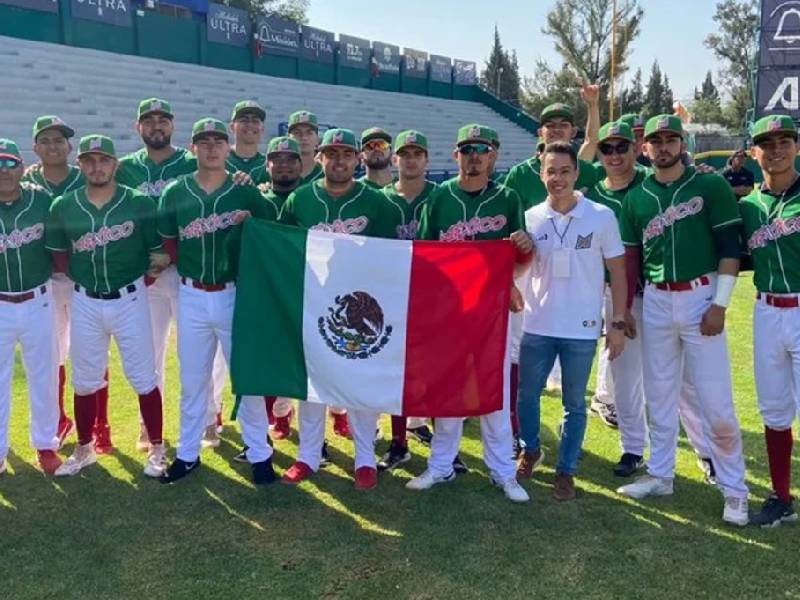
316	71
353	77
163	37
440	90
386	82
29	24
277	66
414	85
100	36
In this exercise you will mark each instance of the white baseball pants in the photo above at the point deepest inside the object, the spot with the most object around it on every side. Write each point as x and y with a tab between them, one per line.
311	418
62	293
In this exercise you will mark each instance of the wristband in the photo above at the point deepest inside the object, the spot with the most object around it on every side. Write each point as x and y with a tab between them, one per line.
725	285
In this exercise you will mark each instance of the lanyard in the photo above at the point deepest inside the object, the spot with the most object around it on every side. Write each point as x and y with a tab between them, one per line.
561	236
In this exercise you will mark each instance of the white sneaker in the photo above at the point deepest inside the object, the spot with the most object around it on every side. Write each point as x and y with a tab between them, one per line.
427	480
156	463
647	486
210	437
736	512
143	443
83	456
512	489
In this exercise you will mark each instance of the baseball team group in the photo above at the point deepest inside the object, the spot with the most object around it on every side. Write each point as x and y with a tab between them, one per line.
623	239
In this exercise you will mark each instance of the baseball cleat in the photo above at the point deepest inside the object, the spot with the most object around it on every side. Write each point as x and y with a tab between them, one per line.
83	456
143	441
527	463
297	473
263	473
628	465
512	489
735	511
774	512
647	485
340	426
283	427
65	427
325	459
242	456
428	479
179	469
156	463
394	457
49	461
606	412
102	439
210	437
459	466
706	465
422	434
366	479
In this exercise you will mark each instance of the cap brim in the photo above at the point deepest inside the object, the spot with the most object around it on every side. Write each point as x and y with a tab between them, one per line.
252	111
80	154
312	125
348	146
766	134
558	115
680	135
67	131
274	152
615	137
377	136
204	134
156	112
13	156
477	141
411	146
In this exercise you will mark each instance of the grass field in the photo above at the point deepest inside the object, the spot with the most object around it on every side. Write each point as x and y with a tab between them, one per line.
112	533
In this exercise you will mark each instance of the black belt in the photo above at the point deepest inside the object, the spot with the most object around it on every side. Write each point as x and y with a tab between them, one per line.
24	297
116	295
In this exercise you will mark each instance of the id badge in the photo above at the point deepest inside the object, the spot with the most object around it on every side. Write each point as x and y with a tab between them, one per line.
561	263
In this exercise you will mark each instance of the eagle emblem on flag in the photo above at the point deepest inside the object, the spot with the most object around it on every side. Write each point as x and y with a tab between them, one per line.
354	327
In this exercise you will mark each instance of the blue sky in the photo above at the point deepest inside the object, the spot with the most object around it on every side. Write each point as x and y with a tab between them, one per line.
673	31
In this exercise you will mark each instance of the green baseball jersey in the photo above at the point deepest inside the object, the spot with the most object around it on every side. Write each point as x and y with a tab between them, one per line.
207	226
275	201
451	214
362	211
405	215
108	247
525	179
771	227
25	262
139	172
674	224
72	181
255	166
316	173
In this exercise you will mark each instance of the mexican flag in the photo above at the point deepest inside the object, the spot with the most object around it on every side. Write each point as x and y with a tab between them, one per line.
398	327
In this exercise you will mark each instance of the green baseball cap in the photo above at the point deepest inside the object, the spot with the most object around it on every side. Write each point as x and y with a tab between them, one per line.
9	149
343	138
662	123
282	145
773	124
51	122
207	126
557	110
410	138
616	130
248	106
634	121
375	133
303	117
95	143
154	105
477	133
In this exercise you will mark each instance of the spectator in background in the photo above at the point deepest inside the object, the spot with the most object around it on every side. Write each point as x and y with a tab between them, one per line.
740	178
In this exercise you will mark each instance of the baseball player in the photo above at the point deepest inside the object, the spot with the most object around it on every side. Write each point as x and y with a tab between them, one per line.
472	207
637	122
199	218
51	143
105	234
771	226
376	154
27	312
304	129
406	197
149	170
684	227
247	127
336	203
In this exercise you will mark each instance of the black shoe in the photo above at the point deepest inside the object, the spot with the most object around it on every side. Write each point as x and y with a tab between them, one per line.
179	469
459	466
263	472
422	434
706	465
269	441
242	456
325	460
516	447
606	412
773	513
628	465
394	457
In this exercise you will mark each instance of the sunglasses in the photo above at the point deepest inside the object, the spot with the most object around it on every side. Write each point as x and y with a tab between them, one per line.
9	163
609	149
468	149
380	145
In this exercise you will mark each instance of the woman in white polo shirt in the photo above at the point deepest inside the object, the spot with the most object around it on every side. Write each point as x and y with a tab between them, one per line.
575	239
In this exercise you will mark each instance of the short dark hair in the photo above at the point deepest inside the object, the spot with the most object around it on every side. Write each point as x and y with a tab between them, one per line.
561	148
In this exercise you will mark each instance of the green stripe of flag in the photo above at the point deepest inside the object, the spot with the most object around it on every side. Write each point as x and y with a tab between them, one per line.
268	319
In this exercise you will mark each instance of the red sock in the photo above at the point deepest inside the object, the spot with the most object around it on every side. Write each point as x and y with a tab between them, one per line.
779	454
514	391
270	402
150	407
102	403
85	408
62	381
399	430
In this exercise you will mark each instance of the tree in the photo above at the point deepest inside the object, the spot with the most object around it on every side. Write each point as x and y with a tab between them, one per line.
708	90
632	98
504	66
656	93
706	107
294	10
547	86
667	97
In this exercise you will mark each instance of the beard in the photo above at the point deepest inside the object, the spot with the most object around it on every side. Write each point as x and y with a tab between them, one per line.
379	164
665	161
157	142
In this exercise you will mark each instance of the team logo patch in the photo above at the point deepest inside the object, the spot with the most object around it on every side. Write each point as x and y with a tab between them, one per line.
303	117
209	126
283	145
584	243
659	224
21	237
155	106
96	144
354	327
663	123
349	226
337	138
591	323
464	230
411	138
774	125
3	146
615	130
475	132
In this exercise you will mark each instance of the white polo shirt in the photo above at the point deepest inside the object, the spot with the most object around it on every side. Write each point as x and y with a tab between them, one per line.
564	295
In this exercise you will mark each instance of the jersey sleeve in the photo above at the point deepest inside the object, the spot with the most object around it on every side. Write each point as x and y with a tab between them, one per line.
587	176
123	174
427	229
516	219
166	218
384	221
148	212
630	231
259	207
55	236
723	209
287	216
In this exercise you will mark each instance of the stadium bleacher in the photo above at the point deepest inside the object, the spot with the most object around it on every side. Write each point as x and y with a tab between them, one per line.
97	92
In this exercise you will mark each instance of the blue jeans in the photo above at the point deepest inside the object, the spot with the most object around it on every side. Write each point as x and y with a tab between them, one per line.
536	358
